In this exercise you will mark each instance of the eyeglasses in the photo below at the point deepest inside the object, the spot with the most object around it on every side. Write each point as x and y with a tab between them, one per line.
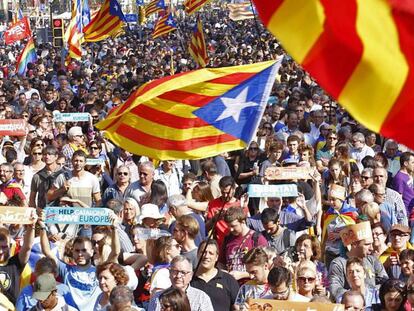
179	272
36	153
122	173
306	279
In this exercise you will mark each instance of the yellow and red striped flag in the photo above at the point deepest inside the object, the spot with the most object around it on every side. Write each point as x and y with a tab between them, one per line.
192	6
197	47
164	25
240	11
360	51
108	22
74	32
153	7
195	114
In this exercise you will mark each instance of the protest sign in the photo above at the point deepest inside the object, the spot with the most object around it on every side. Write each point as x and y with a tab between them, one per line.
358	232
287	173
98	161
71	116
283	305
275	191
78	215
16	215
13	127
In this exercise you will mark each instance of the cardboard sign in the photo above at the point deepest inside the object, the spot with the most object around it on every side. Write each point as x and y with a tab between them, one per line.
13	127
287	173
71	117
272	191
78	215
16	215
355	233
284	305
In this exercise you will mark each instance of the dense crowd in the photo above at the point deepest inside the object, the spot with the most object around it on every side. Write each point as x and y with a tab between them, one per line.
185	235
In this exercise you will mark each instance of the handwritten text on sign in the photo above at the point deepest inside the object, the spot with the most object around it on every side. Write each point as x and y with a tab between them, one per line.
13	127
71	117
272	191
287	173
78	215
16	215
283	305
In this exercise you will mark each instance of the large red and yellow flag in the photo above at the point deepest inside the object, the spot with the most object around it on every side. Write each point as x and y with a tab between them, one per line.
192	6
108	22
197	47
360	51
193	115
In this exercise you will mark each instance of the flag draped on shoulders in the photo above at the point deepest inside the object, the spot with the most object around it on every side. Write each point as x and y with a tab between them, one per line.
240	11
195	114
164	25
361	52
197	47
108	22
347	214
74	33
153	7
192	6
28	55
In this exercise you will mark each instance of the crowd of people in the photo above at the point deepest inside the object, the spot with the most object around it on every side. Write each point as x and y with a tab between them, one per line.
185	235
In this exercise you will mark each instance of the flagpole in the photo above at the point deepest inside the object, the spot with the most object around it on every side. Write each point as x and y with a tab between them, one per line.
257	28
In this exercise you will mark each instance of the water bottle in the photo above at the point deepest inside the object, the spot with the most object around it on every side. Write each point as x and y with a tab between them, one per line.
150	234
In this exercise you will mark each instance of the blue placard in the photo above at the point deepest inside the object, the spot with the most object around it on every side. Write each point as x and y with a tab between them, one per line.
131	18
272	191
78	215
71	117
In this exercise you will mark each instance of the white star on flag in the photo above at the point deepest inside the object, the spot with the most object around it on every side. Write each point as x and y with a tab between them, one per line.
234	106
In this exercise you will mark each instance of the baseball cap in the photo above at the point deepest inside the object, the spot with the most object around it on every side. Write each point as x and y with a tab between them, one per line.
401	228
44	285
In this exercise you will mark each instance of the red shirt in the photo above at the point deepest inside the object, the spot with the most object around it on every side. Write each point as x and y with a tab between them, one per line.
12	188
221	228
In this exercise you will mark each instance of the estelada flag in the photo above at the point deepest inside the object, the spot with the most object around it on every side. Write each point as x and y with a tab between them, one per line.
18	31
240	11
195	114
361	52
108	22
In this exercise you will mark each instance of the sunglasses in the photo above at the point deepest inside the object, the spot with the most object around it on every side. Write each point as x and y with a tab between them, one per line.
254	148
94	148
36	153
122	173
305	279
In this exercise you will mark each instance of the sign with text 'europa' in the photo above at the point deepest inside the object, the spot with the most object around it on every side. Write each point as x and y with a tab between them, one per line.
16	215
272	191
283	305
71	116
78	215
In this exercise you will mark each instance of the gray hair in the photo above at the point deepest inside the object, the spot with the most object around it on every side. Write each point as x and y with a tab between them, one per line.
147	164
359	136
368	170
121	294
177	200
180	258
365	196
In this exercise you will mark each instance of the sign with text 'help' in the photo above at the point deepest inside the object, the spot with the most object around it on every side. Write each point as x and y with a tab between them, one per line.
78	215
272	191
